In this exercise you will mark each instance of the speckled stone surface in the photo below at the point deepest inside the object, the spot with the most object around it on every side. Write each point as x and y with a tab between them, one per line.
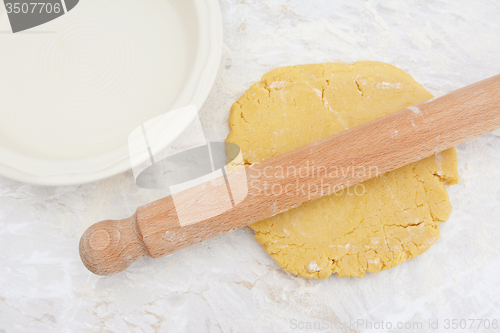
230	284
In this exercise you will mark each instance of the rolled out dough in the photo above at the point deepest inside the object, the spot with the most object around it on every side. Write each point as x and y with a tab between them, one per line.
394	220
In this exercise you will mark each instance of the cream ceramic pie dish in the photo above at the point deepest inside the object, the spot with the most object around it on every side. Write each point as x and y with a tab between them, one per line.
73	89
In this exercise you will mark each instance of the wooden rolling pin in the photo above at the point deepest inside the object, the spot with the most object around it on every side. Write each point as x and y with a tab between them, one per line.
383	144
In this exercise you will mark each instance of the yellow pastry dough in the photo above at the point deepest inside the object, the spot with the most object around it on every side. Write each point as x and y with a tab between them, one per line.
394	220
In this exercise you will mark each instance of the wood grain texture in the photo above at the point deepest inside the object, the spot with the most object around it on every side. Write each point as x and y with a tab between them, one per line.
383	145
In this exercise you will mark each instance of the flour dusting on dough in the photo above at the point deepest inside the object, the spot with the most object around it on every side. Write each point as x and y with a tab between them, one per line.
313	267
327	105
277	84
387	85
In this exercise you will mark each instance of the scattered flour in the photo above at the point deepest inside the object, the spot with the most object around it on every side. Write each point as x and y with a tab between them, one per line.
415	109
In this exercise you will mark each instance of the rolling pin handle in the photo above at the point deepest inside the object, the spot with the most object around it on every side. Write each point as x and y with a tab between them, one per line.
109	247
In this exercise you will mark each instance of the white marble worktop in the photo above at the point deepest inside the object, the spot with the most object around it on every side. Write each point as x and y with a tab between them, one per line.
230	284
